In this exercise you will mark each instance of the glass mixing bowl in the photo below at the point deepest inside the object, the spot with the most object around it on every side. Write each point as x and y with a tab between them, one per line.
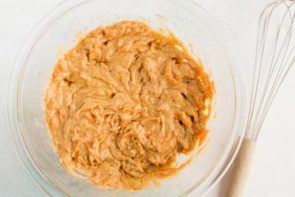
59	31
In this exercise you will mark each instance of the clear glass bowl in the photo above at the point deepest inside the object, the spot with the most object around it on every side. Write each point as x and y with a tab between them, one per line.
58	31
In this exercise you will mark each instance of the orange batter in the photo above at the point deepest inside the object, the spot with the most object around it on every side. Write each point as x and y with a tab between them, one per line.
124	103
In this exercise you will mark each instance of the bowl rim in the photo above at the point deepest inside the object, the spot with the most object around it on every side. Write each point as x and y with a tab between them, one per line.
13	119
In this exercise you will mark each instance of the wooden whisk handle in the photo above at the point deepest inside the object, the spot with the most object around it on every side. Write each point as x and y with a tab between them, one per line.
241	168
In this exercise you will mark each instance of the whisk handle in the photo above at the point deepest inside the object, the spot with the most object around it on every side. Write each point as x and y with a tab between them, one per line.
241	168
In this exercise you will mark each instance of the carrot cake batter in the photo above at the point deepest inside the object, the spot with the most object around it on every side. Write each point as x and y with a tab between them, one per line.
124	102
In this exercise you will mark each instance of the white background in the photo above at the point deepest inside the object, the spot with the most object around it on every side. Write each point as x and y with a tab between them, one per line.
273	172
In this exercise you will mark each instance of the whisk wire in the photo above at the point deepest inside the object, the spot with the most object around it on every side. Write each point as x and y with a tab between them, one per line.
279	78
258	56
274	62
274	59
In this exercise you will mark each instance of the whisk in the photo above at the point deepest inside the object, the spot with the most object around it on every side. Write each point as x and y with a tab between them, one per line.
275	55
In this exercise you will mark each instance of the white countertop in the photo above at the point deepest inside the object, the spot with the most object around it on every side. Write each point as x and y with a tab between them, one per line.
273	172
